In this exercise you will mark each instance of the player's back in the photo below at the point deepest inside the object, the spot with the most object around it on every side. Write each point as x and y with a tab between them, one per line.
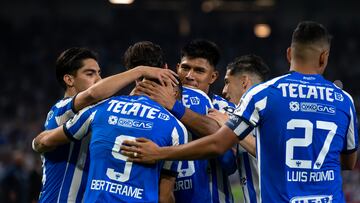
111	177
305	123
65	168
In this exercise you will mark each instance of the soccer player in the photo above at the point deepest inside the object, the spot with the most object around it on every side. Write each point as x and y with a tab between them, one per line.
306	128
244	72
65	168
191	185
197	69
111	177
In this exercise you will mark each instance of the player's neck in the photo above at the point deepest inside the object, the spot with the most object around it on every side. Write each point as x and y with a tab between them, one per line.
70	92
304	68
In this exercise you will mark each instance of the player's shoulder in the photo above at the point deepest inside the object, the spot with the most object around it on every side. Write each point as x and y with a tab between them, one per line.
190	90
269	85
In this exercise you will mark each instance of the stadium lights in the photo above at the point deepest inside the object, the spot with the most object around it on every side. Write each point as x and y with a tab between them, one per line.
121	1
262	30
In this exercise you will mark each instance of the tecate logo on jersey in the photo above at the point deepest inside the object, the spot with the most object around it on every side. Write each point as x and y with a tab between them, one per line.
312	107
312	199
130	123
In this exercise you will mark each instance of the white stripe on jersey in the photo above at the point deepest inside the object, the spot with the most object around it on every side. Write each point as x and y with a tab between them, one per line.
259	106
78	172
350	142
255	169
175	142
258	156
64	117
63	103
81	132
67	165
183	129
248	96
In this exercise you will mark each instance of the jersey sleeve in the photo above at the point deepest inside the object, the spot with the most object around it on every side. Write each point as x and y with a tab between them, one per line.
247	115
179	135
352	137
78	126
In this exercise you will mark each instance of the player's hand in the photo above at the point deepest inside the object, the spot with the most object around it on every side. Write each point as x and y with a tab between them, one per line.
164	95
161	74
220	118
142	151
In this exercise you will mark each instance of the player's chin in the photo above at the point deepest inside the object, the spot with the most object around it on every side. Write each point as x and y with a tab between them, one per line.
191	86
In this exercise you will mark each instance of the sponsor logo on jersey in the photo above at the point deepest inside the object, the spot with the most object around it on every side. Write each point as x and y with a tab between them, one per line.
312	107
194	100
312	199
339	97
130	123
163	116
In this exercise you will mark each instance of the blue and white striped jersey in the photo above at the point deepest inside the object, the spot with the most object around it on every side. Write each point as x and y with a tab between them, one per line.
224	165
112	178
192	183
249	175
65	168
303	123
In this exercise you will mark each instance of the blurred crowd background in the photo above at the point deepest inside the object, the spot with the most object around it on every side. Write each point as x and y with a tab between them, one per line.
33	33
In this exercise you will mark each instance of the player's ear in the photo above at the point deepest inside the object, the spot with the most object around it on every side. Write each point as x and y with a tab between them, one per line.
323	59
69	80
288	54
214	76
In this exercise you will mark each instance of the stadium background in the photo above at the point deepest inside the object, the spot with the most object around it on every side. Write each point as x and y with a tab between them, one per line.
33	33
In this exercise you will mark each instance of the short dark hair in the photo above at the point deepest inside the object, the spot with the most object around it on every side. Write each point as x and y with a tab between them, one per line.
201	48
144	53
309	32
250	64
70	61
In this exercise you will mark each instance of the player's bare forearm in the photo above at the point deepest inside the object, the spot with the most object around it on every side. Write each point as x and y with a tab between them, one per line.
203	148
348	161
49	140
166	189
249	144
199	124
112	84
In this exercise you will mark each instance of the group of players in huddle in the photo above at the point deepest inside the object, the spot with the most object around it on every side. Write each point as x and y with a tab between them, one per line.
172	140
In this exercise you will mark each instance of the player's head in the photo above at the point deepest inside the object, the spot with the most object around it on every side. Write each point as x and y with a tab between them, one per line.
244	72
144	53
310	46
77	69
197	67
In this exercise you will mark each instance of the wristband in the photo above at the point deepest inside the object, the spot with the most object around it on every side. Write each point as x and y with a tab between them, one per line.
178	110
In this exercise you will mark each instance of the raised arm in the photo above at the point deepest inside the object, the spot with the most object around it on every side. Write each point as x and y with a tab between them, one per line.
201	125
112	84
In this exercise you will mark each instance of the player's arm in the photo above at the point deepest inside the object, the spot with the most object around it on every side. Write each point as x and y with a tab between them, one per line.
201	125
348	156
74	129
112	84
206	147
49	139
248	143
348	160
166	188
